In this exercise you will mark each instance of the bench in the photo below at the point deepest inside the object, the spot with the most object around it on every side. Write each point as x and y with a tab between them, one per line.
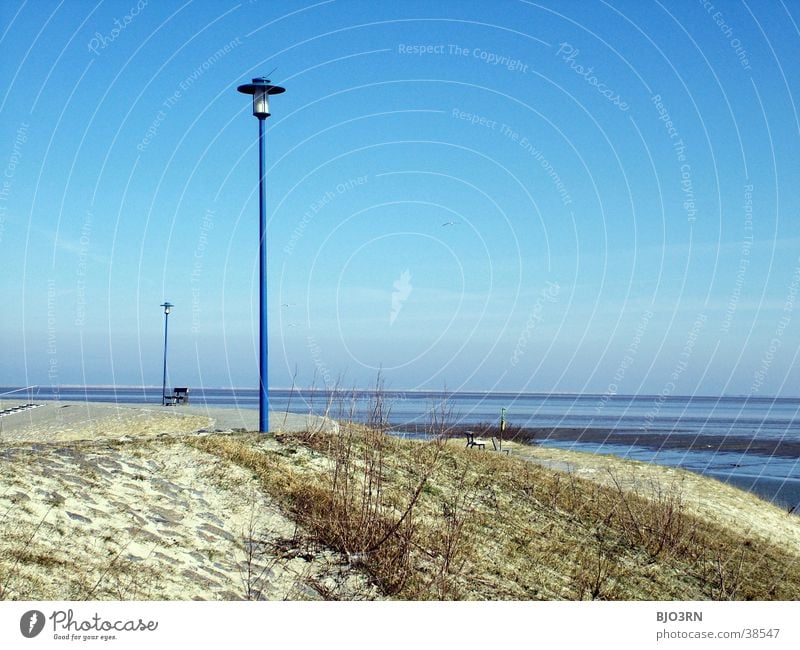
472	441
179	396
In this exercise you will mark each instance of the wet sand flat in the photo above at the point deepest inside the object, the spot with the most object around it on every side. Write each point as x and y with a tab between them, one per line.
679	441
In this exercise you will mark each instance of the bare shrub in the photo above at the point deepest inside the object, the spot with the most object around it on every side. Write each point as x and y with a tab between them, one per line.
448	538
656	517
727	576
593	571
257	563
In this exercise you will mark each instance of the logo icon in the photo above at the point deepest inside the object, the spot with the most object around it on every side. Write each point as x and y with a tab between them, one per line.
401	293
31	623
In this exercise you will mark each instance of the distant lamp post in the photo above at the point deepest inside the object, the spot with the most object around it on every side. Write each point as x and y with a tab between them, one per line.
502	426
167	307
261	89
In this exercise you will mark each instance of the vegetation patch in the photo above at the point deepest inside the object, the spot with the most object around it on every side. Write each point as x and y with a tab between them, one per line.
436	521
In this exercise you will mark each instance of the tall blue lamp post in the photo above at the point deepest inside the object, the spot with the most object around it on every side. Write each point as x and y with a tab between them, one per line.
167	307
261	89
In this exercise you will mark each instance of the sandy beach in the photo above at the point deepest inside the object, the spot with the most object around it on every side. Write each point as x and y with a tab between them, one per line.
97	502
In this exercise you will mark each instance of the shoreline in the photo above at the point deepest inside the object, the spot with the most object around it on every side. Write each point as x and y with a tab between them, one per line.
653	440
675	441
627	444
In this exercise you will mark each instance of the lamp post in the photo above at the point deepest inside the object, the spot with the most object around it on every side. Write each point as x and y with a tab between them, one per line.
502	426
167	307
261	89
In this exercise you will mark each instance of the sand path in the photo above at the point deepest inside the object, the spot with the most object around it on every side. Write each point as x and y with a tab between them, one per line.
53	421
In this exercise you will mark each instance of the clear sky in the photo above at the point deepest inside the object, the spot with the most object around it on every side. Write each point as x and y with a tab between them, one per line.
579	196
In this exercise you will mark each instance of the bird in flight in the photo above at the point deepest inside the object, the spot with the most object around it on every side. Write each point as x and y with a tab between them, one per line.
449	223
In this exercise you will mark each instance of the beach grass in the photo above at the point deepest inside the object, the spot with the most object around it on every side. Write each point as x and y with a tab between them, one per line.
435	521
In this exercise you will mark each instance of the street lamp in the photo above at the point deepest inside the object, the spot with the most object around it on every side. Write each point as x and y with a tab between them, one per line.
261	89
167	307
502	426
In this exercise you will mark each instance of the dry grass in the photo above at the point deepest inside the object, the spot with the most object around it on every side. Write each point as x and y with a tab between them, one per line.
433	521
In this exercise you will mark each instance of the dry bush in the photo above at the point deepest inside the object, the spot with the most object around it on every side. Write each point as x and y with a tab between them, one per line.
449	531
655	517
358	510
257	562
593	572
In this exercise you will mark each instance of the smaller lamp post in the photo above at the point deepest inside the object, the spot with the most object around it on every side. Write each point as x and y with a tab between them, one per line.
502	426
167	307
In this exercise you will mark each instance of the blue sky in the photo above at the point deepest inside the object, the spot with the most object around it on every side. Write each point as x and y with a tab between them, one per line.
556	196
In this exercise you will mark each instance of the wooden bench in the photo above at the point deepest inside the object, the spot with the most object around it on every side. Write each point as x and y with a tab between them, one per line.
472	441
179	396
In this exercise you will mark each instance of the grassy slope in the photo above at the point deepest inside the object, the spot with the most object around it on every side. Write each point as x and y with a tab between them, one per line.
173	518
438	521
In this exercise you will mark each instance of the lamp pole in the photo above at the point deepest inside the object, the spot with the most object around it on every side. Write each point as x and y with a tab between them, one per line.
502	426
261	89
167	307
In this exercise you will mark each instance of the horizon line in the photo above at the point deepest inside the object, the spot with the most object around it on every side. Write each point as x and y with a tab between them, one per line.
398	390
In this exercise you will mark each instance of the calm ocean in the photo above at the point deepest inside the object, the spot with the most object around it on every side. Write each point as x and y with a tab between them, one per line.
774	477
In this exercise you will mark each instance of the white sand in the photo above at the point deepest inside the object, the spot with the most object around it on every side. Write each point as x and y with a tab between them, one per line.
100	501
